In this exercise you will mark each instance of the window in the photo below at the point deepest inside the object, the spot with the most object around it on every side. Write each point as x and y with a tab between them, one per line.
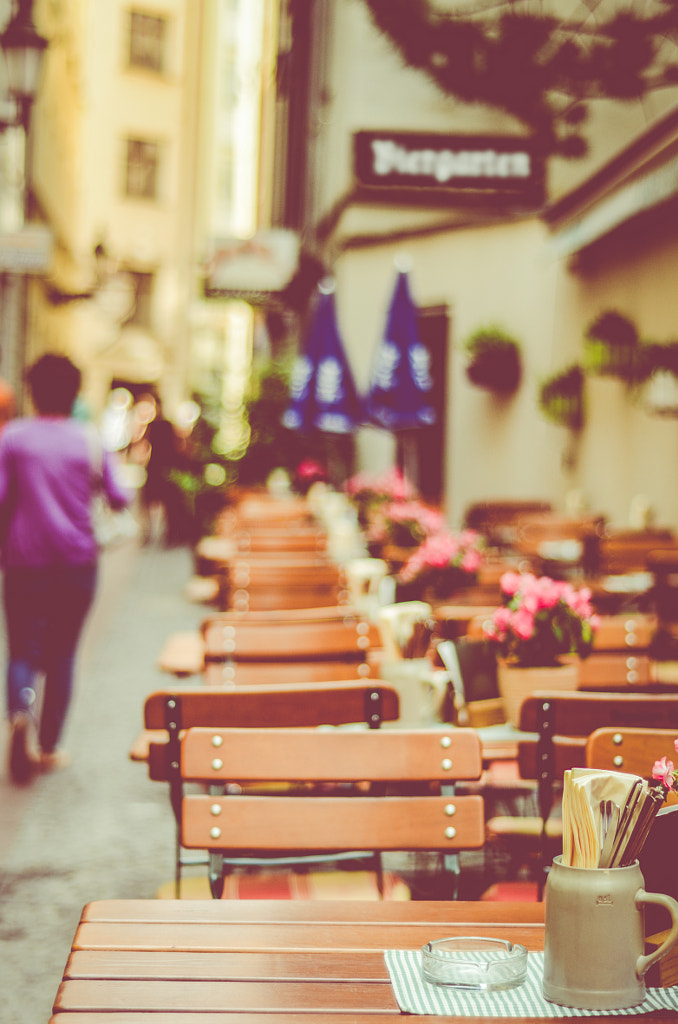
141	173
146	41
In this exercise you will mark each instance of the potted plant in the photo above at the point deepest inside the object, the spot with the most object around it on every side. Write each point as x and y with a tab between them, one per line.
611	346
404	524
541	630
561	397
493	360
443	562
367	492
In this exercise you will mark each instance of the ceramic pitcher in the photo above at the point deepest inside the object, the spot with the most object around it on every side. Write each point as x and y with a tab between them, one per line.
594	936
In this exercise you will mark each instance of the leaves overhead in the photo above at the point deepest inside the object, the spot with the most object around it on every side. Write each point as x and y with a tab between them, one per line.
541	69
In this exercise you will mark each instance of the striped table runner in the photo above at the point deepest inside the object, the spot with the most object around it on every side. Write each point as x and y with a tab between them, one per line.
414	995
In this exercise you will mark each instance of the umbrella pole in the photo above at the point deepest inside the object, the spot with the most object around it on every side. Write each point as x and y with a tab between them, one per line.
408	448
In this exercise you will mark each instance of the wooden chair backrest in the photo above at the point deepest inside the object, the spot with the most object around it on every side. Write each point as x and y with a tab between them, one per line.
280	542
624	632
264	508
287	615
625	551
253	673
561	723
534	529
263	706
618	671
322	639
284	822
628	748
274	583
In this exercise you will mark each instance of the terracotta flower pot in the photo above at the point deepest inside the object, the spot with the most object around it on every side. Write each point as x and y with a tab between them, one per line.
516	683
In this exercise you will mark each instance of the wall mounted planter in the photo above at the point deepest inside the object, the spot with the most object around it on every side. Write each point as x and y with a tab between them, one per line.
494	361
561	398
611	347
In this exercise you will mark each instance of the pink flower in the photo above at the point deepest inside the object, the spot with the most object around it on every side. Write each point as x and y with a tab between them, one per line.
510	582
547	619
522	623
663	770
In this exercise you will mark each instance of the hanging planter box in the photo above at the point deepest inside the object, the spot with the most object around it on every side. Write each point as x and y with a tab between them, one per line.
660	394
494	360
561	398
611	347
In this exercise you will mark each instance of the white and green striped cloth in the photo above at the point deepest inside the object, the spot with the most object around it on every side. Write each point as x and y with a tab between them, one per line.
415	995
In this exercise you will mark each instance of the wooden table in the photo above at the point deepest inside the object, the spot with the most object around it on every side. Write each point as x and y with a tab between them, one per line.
264	962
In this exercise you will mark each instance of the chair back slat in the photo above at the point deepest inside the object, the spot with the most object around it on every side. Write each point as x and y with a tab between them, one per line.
253	673
318	824
578	714
335	756
279	640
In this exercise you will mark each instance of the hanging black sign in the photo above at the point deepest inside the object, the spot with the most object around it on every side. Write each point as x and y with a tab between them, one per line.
497	164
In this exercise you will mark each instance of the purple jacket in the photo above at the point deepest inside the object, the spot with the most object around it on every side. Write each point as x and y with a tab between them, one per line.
46	485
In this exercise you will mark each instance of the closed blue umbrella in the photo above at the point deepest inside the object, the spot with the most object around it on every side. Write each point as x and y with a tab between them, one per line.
323	394
399	396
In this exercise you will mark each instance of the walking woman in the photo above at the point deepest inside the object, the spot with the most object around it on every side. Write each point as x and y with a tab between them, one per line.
49	558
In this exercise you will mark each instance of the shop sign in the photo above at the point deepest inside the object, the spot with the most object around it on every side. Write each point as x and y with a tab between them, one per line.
435	162
252	268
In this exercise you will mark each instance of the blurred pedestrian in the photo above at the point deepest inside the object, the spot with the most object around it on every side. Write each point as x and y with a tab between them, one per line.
160	494
49	557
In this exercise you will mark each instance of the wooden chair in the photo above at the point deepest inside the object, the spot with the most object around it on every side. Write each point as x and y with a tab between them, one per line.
630	749
620	659
229	646
558	726
167	713
255	584
627	551
286	824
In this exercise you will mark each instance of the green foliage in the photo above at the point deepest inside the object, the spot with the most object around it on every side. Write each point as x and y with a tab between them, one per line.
541	69
561	397
611	346
493	359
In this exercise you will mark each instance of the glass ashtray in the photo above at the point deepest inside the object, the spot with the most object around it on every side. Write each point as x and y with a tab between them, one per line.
486	965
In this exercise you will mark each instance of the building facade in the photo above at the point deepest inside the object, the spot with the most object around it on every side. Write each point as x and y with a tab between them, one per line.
542	267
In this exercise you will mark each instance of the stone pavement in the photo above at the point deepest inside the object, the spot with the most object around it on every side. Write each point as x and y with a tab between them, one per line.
99	829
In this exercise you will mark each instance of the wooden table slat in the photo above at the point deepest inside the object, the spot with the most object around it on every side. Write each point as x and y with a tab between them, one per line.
197	911
266	962
215	937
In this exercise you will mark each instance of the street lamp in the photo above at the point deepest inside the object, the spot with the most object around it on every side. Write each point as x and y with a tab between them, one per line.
24	49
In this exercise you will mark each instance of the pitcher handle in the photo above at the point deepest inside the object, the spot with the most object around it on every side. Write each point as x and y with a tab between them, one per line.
643	963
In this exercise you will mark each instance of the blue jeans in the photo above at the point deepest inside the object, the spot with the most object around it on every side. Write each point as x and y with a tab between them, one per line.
45	609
